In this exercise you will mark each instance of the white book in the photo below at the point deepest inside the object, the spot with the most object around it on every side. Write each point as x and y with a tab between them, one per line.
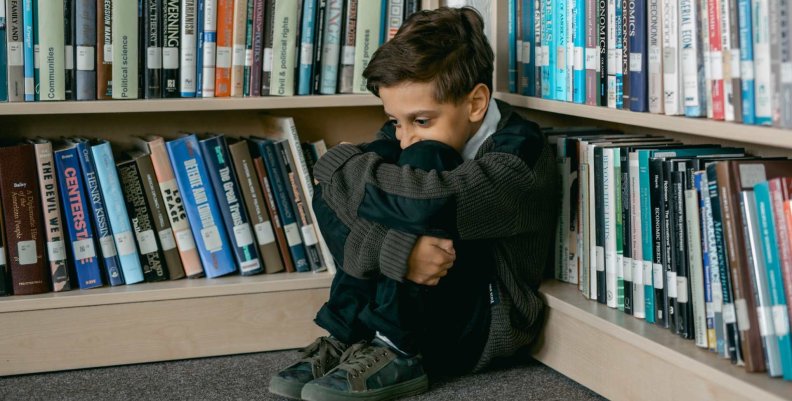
125	49
284	48
692	58
209	48
706	50
639	305
52	52
655	63
583	223
763	82
238	48
672	60
590	233
696	272
366	40
609	206
613	58
729	67
715	282
187	49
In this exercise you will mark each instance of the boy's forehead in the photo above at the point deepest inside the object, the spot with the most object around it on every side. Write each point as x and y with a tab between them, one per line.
409	98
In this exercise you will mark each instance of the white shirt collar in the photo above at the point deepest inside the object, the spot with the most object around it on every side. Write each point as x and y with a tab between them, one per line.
488	127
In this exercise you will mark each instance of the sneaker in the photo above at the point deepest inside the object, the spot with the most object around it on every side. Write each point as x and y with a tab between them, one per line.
371	372
317	359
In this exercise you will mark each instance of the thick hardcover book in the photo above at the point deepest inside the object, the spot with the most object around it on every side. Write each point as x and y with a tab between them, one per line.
107	249
160	222
316	78
745	20
785	234
151	257
53	222
171	26
85	49
692	53
267	59
307	43
223	179
70	76
16	51
174	206
655	55
280	191
673	101
367	40
238	50
152	41
51	51
22	220
347	67
200	202
247	70
76	217
258	48
187	48
284	48
125	50
256	206
716	57
5	273
639	67
104	49
626	228
117	214
768	239
664	294
331	45
225	30
684	306
269	199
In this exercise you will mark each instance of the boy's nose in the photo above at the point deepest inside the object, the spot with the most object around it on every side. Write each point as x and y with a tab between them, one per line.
407	139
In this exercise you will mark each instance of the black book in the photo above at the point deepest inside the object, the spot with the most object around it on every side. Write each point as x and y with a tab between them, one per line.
657	201
625	39
411	7
624	161
599	216
602	41
70	86
269	29
171	12
321	6
151	52
683	308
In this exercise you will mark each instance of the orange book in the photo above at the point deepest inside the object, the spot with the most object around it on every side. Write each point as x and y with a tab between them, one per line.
225	30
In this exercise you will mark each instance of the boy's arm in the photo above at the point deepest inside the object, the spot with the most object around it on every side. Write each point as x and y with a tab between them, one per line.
499	195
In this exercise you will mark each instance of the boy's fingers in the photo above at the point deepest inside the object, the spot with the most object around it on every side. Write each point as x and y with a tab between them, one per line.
446	245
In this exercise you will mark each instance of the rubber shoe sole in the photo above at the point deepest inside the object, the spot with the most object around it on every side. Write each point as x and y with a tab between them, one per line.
286	388
419	385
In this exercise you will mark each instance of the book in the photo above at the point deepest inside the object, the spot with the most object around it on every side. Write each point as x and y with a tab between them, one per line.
256	206
655	54
268	42
70	74
284	48
730	46
76	216
29	35
200	202
578	28
238	49
152	80
225	29
51	50
258	47
151	258
512	13
784	78
232	209
763	82
331	43
639	58
785	235
171	27
53	222
347	67
694	244
199	38
745	20
160	223
394	17
187	48
560	48
247	69
108	255
673	101
315	80
625	54
703	36
716	58
104	49
307	43
693	85
125	46
117	213
16	53
367	39
592	54
85	40
712	294
174	207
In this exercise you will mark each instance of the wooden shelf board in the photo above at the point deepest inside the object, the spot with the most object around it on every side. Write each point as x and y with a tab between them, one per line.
167	290
172	105
695	126
661	347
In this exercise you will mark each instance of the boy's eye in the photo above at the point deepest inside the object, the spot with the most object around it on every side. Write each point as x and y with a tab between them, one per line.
422	122
393	123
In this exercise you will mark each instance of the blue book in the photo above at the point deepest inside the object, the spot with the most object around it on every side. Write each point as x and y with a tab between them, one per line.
331	46
200	203
123	236
746	61
702	191
512	41
305	70
107	248
579	39
285	205
76	220
527	81
560	49
767	229
237	223
3	55
639	68
28	29
199	54
548	51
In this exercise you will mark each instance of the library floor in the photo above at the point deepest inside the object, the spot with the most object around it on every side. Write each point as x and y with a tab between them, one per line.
245	377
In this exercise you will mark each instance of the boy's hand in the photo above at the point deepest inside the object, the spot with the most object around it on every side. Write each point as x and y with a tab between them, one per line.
430	260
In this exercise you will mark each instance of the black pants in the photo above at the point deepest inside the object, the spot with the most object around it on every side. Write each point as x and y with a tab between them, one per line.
447	323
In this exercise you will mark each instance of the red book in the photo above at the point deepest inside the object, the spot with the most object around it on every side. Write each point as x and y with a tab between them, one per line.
225	31
716	58
786	214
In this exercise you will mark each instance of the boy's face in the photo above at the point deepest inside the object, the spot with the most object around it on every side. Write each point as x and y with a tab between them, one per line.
417	116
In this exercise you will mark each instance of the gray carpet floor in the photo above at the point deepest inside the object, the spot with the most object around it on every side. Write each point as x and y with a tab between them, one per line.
245	377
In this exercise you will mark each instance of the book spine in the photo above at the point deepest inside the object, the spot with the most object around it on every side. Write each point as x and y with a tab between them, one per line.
665	293
623	242
258	47
29	63
3	53
170	48
104	50
70	77
366	40
223	178
16	51
153	55
618	225
599	212
200	203
636	246
560	50
578	53
117	214
609	228
592	54
346	77
199	48
52	50
160	223
249	31
73	196
713	244
730	37
655	54
395	17
548	51
672	67
225	29
698	281
785	215
511	33
639	68
785	72
779	190
238	48
625	54
187	48
603	30
707	239
763	83
683	310
562	252
716	58
125	46
613	59
538	50
745	20
331	45
692	58
315	83
50	205
107	249
85	49
255	205
151	257
269	40
284	48
775	61
526	84
651	271
706	81
269	200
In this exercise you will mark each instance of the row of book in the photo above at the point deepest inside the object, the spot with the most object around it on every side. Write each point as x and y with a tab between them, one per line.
117	49
76	216
694	238
722	59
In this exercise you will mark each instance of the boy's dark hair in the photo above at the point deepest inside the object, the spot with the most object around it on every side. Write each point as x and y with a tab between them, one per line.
446	46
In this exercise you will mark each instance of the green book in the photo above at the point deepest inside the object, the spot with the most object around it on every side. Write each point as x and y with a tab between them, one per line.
125	49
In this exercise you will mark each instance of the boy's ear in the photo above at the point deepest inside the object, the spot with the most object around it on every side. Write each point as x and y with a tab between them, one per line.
478	100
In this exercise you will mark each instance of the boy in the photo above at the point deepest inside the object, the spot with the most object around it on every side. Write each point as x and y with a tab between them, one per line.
399	212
